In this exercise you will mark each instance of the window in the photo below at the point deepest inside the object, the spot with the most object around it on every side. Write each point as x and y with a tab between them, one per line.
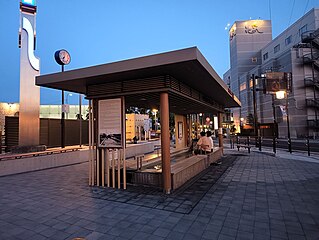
288	40
265	56
242	87
251	83
303	30
277	48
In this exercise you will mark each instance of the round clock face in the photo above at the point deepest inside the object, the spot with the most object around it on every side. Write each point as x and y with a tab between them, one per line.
62	57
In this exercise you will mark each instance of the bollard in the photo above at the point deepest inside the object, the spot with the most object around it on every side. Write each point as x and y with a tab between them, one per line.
274	144
308	146
259	143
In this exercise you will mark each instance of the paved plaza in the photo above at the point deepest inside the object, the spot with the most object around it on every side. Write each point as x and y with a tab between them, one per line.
258	196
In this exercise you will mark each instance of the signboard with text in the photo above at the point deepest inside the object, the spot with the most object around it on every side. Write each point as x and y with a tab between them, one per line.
277	81
110	123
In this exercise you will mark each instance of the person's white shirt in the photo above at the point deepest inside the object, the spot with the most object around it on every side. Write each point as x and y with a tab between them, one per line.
212	142
205	144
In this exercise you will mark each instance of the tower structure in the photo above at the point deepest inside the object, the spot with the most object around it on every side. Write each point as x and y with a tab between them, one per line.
29	123
246	38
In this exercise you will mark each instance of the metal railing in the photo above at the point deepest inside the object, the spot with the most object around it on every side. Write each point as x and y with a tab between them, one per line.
291	145
312	103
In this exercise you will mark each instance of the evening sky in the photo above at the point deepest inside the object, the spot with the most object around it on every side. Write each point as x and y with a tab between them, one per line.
102	31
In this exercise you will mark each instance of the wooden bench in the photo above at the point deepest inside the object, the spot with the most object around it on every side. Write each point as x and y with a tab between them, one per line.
157	148
243	146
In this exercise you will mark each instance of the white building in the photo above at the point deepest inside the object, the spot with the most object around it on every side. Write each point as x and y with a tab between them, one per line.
288	52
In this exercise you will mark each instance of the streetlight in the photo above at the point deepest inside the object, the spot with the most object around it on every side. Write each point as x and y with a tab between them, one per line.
67	97
67	106
282	95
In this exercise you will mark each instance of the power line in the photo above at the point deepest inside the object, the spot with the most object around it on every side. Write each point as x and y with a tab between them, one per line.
269	5
292	9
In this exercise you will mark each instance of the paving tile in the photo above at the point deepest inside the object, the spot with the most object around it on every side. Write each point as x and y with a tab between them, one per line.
256	196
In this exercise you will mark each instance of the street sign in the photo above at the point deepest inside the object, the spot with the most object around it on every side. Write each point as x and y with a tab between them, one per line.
277	81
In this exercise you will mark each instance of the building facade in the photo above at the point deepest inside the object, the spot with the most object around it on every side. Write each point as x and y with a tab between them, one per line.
295	50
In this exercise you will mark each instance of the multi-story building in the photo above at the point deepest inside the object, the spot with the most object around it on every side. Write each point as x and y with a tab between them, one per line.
295	50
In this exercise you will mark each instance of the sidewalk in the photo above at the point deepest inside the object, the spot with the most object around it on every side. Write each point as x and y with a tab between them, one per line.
259	196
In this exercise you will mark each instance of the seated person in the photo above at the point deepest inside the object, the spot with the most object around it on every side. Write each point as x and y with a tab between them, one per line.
209	135
204	144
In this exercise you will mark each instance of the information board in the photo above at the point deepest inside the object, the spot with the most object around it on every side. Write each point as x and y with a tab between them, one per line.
110	123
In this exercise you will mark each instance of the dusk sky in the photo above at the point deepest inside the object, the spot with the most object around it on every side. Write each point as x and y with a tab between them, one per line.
103	31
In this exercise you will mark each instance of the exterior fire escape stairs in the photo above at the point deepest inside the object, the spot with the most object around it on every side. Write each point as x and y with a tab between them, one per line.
311	38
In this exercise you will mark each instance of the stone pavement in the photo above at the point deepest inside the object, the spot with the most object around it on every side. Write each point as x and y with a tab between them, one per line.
258	197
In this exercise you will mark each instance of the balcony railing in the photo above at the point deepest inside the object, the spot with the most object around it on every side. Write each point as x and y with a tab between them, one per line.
312	82
312	103
309	36
313	124
310	58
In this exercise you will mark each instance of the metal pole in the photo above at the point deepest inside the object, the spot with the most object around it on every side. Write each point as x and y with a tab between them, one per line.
62	119
80	117
289	139
275	123
255	109
90	147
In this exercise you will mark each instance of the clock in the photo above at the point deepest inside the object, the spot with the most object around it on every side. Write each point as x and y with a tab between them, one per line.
62	57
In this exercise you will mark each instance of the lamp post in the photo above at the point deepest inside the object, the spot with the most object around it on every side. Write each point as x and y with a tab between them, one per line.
67	97
281	95
80	118
275	123
255	110
67	106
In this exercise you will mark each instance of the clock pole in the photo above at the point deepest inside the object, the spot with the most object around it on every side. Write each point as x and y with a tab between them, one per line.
62	118
62	57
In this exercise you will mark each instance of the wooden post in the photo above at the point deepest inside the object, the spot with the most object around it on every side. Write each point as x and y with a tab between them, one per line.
124	170
220	130
103	166
98	167
113	168
107	153
165	142
119	159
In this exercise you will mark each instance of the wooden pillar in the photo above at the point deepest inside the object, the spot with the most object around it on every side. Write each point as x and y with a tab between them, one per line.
190	127
165	142
220	130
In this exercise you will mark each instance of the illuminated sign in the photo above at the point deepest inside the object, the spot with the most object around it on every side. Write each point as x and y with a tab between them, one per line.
28	2
252	28
232	32
26	25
